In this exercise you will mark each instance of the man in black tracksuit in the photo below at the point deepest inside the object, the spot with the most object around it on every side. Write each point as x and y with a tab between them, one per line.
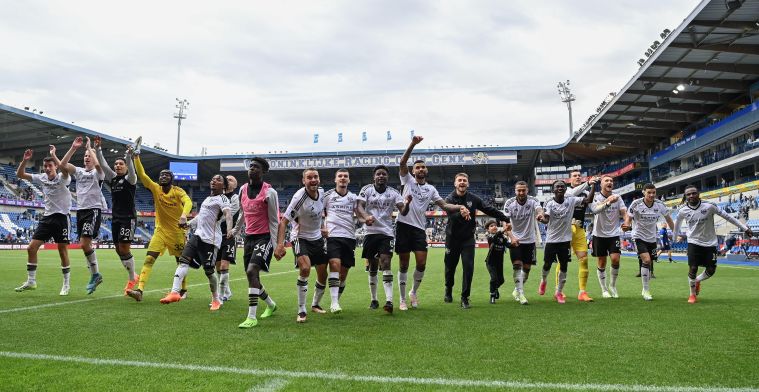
459	236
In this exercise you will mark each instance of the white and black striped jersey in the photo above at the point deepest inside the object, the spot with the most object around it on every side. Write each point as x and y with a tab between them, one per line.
560	223
339	209
308	212
88	189
606	221
523	223
55	193
422	196
234	209
700	221
645	218
207	223
380	206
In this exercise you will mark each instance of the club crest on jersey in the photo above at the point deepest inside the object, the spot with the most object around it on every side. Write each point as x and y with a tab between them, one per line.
469	204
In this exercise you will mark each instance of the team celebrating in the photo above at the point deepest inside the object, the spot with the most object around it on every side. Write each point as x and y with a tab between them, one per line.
322	231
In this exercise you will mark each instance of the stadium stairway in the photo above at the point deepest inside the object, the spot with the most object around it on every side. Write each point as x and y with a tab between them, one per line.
37	191
7	225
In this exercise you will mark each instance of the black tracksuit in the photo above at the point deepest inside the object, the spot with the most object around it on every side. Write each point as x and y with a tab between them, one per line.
459	238
494	260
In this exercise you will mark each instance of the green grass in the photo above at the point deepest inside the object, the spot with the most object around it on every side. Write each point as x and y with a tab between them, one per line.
628	341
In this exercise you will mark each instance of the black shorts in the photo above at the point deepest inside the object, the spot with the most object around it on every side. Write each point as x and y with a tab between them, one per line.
198	254
561	251
666	246
605	246
702	256
524	253
123	230
55	226
227	250
257	250
343	249
409	239
376	245
88	222
645	247
314	249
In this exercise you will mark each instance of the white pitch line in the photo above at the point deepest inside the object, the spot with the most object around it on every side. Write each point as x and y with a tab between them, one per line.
273	385
33	307
447	382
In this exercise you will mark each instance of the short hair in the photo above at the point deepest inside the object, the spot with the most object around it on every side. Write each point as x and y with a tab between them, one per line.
120	159
558	182
310	169
649	186
691	186
380	167
461	175
171	174
418	161
607	175
49	159
342	171
490	222
575	171
520	183
224	179
227	179
261	161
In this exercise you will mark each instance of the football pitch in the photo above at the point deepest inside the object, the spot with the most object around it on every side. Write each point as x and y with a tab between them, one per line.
108	342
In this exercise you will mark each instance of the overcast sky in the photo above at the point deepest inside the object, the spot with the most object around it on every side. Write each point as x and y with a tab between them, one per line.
263	76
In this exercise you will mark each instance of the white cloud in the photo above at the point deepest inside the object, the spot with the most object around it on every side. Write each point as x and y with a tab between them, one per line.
265	76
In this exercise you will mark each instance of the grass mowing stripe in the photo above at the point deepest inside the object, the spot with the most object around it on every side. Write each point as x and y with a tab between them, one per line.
34	307
373	379
274	385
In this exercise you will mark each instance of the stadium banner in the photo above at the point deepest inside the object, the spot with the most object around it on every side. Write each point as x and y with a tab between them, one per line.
13	246
36	204
370	160
21	203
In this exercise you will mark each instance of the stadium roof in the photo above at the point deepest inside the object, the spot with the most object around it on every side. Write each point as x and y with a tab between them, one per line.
700	71
21	129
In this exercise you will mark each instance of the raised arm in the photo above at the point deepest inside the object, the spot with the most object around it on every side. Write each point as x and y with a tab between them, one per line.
65	165
403	169
94	156
21	171
131	176
107	171
144	179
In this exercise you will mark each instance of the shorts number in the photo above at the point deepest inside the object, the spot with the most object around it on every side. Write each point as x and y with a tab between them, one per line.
210	255
86	227
65	232
124	232
230	249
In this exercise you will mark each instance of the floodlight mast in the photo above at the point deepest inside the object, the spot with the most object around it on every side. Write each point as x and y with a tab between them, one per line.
182	105
567	97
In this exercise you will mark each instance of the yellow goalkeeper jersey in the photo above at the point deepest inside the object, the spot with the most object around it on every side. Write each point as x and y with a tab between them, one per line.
169	207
